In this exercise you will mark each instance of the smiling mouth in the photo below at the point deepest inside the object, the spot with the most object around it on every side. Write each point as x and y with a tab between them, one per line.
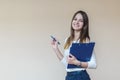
76	25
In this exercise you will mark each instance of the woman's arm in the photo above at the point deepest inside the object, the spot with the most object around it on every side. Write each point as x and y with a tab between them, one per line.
56	49
72	60
91	64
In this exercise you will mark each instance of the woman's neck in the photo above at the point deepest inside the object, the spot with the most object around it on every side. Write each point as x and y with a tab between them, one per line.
76	35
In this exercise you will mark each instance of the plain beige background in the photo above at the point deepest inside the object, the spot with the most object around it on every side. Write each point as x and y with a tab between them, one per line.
26	26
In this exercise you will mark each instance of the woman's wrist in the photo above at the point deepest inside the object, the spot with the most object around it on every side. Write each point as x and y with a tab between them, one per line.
79	64
55	48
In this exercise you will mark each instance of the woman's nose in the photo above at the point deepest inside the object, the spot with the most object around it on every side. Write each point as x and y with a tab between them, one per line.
77	22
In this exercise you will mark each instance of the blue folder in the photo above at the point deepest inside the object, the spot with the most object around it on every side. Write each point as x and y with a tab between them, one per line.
82	51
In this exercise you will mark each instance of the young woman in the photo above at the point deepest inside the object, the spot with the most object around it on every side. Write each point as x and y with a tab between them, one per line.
79	34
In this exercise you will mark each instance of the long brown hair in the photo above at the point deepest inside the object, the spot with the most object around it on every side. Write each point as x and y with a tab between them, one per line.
84	31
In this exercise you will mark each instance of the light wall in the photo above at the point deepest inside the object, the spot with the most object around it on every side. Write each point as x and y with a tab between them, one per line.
26	26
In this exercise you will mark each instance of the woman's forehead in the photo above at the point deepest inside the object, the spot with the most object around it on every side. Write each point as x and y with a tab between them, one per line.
79	16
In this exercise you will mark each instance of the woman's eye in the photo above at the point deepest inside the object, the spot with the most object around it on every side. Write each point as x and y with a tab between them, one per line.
75	19
81	20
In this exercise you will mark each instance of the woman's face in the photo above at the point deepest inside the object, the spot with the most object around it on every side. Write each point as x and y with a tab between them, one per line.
77	22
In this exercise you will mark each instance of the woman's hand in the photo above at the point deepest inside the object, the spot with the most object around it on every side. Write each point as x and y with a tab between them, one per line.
72	60
54	44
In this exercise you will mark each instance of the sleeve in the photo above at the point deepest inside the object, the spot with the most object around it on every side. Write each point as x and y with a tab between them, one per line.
64	56
64	61
92	63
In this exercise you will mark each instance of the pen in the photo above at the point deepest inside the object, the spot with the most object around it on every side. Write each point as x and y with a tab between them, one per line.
54	39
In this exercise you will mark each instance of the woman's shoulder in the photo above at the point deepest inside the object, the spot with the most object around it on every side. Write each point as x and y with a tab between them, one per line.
66	39
87	40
